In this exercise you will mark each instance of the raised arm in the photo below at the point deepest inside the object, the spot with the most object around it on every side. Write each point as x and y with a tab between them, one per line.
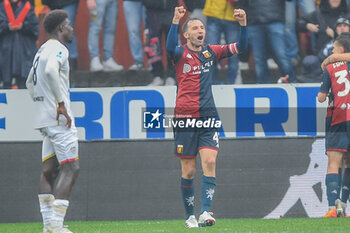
241	17
171	42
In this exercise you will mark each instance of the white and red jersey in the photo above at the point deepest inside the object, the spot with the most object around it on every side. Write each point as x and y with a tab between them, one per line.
54	54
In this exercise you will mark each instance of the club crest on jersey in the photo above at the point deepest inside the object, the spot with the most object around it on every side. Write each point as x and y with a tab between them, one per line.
180	149
206	54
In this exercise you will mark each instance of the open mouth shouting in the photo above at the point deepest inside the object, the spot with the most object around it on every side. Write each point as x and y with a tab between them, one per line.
200	39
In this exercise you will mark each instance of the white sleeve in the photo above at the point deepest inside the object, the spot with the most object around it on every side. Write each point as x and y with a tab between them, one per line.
30	83
52	70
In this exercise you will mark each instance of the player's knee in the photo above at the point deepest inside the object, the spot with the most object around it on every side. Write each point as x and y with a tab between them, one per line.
48	172
75	169
210	162
189	174
71	168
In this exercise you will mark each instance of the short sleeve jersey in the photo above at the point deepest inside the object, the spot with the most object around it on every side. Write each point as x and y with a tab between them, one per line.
55	54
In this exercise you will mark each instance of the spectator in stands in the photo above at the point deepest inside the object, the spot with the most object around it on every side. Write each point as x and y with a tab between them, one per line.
134	12
306	7
322	20
17	42
71	7
106	12
195	9
342	25
220	20
266	24
158	21
311	71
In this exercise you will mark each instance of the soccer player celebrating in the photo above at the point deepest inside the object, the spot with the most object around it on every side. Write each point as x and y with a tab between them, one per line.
48	85
336	82
194	63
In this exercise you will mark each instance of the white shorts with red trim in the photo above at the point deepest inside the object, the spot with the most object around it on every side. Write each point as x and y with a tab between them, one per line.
61	142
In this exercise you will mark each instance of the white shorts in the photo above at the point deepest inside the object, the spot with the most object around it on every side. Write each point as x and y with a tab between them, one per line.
60	141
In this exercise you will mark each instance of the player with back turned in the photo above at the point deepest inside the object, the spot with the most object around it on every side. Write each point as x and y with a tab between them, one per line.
194	63
48	85
336	84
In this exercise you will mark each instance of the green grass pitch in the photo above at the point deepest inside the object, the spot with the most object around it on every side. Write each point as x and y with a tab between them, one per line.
297	225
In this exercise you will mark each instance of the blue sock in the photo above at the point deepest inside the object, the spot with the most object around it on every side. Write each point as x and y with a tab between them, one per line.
340	180
208	190
332	183
345	185
187	190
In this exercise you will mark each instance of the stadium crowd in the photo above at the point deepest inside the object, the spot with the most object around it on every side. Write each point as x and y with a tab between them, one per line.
294	36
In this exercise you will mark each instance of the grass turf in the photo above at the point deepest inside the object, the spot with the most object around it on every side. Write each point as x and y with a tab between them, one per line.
297	225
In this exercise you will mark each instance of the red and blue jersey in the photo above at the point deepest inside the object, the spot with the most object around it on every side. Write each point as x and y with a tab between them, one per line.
336	80
194	73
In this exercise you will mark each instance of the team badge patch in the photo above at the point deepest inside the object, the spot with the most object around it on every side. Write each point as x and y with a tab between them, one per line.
206	54
180	149
59	55
73	150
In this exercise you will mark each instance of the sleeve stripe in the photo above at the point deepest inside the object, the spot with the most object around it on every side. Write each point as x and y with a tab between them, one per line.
233	48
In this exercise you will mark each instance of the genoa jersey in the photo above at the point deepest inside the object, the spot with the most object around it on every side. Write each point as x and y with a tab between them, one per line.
53	54
336	79
194	71
330	106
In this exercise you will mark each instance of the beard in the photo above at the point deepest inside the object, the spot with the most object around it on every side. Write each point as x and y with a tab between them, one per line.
195	42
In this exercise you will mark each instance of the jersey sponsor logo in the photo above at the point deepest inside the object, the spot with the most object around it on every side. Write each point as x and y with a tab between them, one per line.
206	54
186	68
38	99
180	149
202	68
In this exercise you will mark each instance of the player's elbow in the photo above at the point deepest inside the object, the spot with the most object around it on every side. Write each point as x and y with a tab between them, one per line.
169	48
242	47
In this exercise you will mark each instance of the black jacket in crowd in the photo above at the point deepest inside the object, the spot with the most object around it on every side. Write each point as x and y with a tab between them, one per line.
58	4
325	17
17	48
194	4
263	12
